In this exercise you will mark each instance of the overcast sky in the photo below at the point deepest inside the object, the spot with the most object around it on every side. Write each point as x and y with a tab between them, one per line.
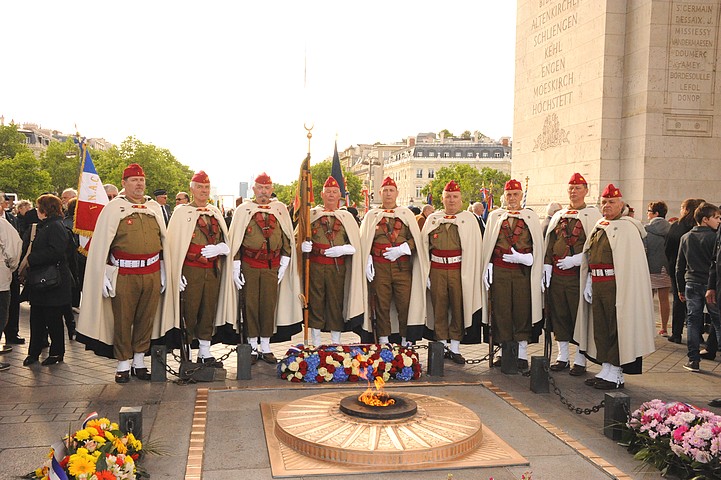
222	86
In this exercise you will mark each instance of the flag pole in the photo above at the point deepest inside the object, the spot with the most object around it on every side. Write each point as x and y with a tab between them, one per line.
305	206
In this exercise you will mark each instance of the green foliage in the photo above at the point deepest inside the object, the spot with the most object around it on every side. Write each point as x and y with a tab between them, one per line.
162	169
445	133
12	142
467	135
319	173
470	179
62	161
24	175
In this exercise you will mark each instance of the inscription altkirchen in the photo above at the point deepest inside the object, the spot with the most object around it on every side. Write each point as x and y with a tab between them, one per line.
555	88
692	51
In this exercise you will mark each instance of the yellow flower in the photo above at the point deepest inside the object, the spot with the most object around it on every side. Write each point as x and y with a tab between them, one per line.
99	440
83	434
114	426
120	446
82	451
81	464
109	436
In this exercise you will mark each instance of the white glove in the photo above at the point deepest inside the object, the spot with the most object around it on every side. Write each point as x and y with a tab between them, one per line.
588	291
238	278
488	276
515	257
107	287
428	283
306	246
547	271
284	262
210	251
394	253
182	284
370	269
162	276
339	251
569	262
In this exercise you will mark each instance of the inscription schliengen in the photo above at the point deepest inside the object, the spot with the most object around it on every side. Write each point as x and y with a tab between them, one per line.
692	50
555	79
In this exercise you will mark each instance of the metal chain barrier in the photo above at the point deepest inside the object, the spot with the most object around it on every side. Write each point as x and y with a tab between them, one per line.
568	404
190	372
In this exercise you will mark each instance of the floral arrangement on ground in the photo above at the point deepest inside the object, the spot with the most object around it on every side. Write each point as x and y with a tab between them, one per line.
348	363
677	438
98	451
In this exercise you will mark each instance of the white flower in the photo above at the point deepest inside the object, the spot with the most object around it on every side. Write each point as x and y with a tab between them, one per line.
407	361
293	367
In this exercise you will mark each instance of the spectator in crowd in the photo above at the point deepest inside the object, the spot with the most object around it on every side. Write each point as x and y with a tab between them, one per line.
678	229
10	249
182	198
110	190
655	240
51	245
161	196
695	254
66	196
354	211
551	209
228	217
477	208
414	209
73	260
25	220
12	327
425	212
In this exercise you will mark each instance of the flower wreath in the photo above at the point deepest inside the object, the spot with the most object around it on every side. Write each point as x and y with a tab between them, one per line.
98	451
348	363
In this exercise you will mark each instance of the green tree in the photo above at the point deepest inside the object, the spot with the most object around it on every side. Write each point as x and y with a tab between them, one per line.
445	133
162	169
24	175
319	174
12	142
470	180
62	161
466	135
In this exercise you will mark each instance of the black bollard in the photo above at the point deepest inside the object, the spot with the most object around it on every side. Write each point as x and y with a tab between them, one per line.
244	359
617	406
509	358
539	374
131	421
436	353
158	359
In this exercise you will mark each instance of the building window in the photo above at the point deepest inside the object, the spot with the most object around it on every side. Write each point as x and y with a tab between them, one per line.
459	154
497	154
485	154
386	155
431	153
418	190
446	155
419	173
419	153
431	173
469	154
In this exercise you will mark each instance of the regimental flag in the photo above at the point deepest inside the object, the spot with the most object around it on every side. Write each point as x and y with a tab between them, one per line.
91	199
429	199
487	201
302	203
337	173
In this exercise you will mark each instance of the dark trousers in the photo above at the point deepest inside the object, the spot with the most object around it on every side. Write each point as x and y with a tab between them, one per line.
678	311
4	304
43	321
12	326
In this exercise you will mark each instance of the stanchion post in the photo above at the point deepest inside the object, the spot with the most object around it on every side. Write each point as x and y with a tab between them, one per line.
615	414
539	374
244	361
436	353
158	360
131	421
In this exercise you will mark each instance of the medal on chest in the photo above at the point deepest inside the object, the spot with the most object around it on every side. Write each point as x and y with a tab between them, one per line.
129	221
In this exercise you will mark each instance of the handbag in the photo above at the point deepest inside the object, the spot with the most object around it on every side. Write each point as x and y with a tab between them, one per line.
44	277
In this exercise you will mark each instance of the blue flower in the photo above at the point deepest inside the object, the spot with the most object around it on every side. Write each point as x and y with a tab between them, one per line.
339	375
386	355
313	361
310	375
405	374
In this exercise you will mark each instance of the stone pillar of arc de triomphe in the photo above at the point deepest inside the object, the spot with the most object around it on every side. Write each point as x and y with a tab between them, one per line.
622	91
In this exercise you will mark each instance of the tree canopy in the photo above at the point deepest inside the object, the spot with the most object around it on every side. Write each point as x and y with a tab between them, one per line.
62	162
12	142
24	175
162	169
470	179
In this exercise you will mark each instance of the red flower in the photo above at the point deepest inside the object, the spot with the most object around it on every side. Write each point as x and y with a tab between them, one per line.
417	375
352	378
347	370
104	475
381	366
330	368
303	364
320	378
135	456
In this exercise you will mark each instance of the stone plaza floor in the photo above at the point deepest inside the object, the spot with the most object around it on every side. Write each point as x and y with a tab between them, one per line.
214	430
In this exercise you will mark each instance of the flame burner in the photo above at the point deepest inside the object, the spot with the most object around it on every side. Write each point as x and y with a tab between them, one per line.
403	407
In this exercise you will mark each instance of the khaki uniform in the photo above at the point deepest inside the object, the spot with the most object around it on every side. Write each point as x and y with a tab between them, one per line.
605	327
566	239
137	291
393	280
511	283
263	244
203	277
446	284
327	275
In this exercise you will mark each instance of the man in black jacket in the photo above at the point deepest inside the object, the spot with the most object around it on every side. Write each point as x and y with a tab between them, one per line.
12	326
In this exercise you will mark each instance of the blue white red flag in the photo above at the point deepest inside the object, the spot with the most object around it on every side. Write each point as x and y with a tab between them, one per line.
56	472
429	199
91	199
92	416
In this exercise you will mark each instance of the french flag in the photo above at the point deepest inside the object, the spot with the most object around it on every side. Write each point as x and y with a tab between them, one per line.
56	472
91	199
